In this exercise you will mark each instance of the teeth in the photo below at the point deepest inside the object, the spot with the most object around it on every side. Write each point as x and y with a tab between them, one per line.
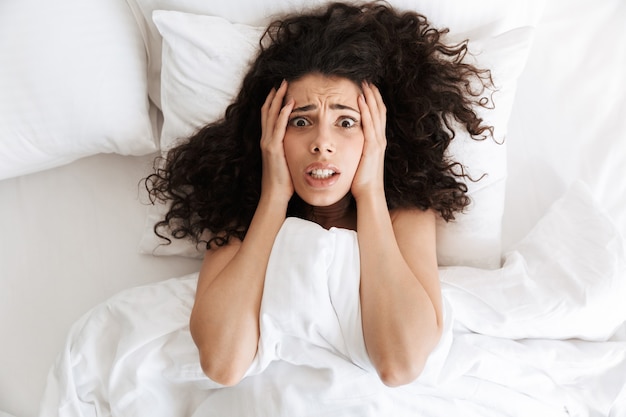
322	173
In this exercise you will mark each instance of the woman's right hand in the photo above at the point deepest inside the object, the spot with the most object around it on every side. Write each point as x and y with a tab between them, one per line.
276	178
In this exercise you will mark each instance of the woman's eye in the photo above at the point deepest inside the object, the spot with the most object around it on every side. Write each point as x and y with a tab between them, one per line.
347	122
299	122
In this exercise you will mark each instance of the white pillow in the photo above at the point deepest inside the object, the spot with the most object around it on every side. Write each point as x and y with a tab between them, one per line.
204	58
204	61
73	82
482	17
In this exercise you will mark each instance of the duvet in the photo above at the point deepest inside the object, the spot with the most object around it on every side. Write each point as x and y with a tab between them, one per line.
541	336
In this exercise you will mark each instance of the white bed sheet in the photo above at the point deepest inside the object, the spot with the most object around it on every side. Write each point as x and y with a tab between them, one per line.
69	235
507	348
569	118
69	240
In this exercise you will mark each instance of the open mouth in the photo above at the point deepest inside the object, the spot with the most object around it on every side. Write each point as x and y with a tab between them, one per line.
322	174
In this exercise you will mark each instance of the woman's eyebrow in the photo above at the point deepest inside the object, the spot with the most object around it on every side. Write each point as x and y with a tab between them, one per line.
306	108
343	107
334	106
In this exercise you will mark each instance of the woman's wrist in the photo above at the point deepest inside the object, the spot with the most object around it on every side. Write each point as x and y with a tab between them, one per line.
275	198
374	198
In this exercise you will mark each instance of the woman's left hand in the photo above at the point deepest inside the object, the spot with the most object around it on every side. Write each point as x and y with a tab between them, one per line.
369	175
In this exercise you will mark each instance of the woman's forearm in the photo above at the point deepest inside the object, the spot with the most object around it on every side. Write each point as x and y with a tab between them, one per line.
399	318
225	318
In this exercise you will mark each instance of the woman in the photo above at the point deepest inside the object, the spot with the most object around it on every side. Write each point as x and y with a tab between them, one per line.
352	134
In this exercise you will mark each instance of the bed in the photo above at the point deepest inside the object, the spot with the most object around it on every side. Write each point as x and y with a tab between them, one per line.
534	275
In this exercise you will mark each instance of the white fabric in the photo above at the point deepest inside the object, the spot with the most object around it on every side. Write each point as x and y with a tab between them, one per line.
205	57
204	61
133	355
73	83
568	120
69	242
567	277
480	18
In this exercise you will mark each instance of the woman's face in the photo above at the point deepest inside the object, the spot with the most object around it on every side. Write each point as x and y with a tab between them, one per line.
324	138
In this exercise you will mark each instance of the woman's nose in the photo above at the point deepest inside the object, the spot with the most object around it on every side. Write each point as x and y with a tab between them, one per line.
322	149
322	143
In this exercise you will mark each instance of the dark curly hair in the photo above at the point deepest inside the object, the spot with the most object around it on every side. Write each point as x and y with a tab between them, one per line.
212	180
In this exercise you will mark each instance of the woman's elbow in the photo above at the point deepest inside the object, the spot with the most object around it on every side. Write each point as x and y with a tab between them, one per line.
395	375
225	369
224	373
401	369
220	364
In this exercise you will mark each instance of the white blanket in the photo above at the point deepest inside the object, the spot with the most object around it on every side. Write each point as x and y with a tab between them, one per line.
530	339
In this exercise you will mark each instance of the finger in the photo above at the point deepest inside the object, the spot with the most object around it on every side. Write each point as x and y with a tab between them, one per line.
375	101
275	103
370	98
378	98
366	117
266	106
378	110
277	109
372	105
283	118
